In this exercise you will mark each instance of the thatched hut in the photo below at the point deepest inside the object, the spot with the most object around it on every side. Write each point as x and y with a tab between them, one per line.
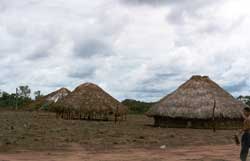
89	101
198	103
46	102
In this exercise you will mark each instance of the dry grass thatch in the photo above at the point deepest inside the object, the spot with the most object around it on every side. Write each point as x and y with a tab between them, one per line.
49	99
57	95
89	100
195	100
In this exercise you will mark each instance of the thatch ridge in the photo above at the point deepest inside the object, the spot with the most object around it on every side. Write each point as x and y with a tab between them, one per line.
195	99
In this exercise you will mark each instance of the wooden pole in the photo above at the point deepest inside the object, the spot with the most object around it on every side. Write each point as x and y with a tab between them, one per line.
214	128
16	98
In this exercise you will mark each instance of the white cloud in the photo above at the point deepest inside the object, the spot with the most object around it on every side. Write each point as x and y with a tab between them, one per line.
139	50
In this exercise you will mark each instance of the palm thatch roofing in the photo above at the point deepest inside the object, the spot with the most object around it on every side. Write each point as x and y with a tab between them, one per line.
195	99
49	99
57	95
90	98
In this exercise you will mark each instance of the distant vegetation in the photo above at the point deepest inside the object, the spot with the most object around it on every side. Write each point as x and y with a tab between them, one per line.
22	97
137	107
245	99
17	100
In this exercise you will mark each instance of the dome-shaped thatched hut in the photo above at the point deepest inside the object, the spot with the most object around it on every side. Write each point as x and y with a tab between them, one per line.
89	101
198	103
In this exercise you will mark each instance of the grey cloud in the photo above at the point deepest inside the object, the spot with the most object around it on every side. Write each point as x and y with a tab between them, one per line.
217	27
183	42
2	5
147	90
91	47
147	95
2	82
38	54
106	43
150	2
176	17
179	5
159	78
166	75
183	10
83	72
165	2
211	28
236	87
57	85
155	87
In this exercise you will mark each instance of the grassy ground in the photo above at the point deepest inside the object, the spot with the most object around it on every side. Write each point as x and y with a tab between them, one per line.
42	131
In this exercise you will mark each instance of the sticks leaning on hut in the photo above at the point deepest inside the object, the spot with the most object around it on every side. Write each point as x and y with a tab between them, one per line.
214	123
120	114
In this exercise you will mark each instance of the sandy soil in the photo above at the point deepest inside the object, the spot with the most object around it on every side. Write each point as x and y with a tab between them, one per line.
36	136
77	153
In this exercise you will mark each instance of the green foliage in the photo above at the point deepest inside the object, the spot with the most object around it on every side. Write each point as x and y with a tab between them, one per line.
248	102
24	91
45	107
137	107
19	99
245	99
11	101
7	100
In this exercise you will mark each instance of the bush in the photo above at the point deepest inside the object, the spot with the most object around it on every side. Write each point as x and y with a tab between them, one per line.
137	107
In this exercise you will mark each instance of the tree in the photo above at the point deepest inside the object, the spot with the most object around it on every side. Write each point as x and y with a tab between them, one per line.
244	99
37	94
23	91
240	97
21	97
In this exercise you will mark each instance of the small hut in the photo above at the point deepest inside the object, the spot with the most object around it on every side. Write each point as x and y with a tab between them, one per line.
198	103
46	102
89	101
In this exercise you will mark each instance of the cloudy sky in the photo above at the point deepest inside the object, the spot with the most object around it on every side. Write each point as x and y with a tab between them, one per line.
141	49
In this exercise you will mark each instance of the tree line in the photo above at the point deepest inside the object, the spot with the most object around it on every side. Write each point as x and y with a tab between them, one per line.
20	98
137	107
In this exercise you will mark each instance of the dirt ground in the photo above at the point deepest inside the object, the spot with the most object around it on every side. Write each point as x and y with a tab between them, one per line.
34	136
201	153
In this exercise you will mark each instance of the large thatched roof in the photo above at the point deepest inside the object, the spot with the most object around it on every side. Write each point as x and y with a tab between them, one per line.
195	99
89	97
